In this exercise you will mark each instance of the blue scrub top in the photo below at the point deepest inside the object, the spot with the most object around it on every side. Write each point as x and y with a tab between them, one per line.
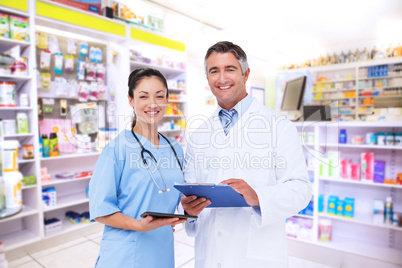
121	182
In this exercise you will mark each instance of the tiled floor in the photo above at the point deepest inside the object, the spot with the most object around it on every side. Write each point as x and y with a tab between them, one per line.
82	253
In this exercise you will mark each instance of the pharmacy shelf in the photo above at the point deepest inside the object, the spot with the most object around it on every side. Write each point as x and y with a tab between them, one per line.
67	227
68	201
177	101
16	108
61	181
6	44
19	135
19	238
304	216
380	77
163	69
385	254
334	81
29	187
72	155
26	211
361	183
362	146
15	78
173	116
171	130
177	89
361	221
333	91
25	161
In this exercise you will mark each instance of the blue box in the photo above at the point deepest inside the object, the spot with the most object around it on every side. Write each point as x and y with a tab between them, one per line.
379	170
349	207
332	200
339	207
321	203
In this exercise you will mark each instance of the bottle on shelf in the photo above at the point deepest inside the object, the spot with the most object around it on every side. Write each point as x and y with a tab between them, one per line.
45	146
343	136
53	145
388	210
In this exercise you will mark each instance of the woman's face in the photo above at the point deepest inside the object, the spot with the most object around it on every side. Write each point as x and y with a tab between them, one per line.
149	100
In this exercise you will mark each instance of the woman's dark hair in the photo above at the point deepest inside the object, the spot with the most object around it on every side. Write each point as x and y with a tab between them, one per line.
136	77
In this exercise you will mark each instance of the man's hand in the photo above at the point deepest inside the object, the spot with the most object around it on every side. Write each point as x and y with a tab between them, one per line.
193	205
244	189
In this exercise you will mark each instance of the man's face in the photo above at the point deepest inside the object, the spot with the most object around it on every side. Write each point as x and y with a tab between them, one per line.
225	79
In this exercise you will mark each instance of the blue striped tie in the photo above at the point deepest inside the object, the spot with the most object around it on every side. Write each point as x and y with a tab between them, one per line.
228	116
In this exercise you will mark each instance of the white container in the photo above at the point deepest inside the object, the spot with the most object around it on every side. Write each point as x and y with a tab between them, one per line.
10	127
10	155
8	94
24	100
22	123
12	185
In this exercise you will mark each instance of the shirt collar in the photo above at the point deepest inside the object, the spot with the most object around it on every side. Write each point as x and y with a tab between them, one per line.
242	106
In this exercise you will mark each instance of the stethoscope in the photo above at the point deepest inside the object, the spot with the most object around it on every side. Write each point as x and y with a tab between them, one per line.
143	151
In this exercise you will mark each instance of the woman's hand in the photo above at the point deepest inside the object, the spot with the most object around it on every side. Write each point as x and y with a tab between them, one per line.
149	223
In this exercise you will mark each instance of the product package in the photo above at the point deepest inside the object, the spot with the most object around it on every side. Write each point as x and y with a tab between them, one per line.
367	166
19	28
87	5
4	26
332	202
379	171
349	207
22	123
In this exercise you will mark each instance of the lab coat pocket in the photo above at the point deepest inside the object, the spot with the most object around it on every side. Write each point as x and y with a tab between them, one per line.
267	243
116	254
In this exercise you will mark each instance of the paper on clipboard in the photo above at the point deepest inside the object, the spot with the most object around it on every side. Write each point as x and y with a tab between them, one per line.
220	195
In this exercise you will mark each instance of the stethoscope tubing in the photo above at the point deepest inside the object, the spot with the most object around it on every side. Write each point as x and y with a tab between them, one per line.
143	151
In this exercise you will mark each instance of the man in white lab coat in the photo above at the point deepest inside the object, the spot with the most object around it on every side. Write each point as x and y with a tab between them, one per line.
257	152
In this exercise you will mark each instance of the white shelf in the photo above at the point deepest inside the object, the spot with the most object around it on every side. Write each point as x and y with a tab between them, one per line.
385	254
26	211
29	187
303	216
380	77
25	161
61	181
340	180
72	155
67	201
362	222
15	78
334	81
67	227
6	44
333	91
363	146
19	135
171	130
177	101
163	69
16	108
19	238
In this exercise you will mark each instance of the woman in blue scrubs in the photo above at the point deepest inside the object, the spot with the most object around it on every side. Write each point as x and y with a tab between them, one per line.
123	187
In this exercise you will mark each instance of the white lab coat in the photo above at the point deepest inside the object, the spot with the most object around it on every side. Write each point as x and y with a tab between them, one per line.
263	149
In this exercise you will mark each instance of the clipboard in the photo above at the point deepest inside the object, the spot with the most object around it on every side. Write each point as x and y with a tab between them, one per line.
220	195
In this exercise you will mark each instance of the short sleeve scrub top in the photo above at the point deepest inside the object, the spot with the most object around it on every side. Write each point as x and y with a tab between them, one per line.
121	183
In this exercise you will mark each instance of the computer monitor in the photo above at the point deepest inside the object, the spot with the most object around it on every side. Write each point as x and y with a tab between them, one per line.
293	96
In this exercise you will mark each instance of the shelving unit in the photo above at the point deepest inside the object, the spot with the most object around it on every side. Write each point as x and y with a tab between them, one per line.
347	89
24	227
359	235
27	226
